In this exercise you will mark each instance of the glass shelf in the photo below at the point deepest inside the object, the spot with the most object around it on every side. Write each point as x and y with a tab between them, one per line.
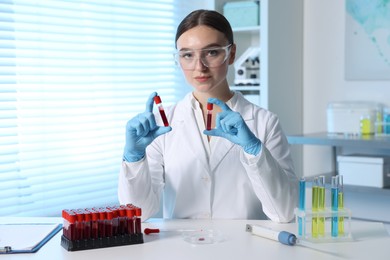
368	141
254	29
245	88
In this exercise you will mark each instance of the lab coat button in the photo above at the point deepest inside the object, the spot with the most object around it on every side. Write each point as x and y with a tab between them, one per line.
205	178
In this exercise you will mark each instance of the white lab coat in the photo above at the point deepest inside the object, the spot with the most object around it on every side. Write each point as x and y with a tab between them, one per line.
227	184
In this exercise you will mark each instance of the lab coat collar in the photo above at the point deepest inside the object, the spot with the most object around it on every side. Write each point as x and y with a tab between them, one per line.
237	103
222	146
242	106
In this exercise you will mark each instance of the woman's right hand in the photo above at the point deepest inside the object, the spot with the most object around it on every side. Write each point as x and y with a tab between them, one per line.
141	131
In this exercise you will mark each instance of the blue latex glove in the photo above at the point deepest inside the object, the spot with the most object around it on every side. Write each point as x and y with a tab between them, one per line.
141	131
231	125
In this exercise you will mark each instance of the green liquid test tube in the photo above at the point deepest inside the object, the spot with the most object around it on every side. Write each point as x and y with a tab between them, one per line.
365	125
321	205
341	204
314	206
335	206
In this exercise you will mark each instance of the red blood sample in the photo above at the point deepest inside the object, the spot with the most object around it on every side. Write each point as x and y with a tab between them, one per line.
122	221
87	224
157	100
209	115
102	222
69	228
137	224
94	223
130	220
109	224
79	224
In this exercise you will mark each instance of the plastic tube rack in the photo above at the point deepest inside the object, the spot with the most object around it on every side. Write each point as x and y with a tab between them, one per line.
101	227
309	230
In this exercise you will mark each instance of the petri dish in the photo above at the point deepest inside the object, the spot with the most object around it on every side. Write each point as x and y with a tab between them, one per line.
202	237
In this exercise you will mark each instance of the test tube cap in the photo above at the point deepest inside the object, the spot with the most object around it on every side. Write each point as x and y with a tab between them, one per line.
102	214
94	214
87	215
69	215
122	212
210	106
138	212
130	212
157	99
110	214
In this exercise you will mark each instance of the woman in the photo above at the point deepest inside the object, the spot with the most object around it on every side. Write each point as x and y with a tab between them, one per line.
240	169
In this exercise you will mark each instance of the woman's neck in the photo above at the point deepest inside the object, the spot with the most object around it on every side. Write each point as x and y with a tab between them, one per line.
202	97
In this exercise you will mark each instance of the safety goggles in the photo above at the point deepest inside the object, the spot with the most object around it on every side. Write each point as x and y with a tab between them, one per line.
210	57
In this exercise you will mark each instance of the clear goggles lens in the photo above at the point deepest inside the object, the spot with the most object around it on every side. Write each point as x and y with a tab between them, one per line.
210	57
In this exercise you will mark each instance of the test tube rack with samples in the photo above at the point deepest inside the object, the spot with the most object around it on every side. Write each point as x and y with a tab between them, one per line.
100	227
322	223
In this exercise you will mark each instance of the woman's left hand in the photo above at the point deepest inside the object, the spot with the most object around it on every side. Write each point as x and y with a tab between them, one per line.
231	125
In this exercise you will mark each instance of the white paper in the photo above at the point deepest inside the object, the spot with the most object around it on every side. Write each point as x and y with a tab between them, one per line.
24	236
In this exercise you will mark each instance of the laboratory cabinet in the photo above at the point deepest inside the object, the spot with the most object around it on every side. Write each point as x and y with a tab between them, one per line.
244	74
370	203
278	38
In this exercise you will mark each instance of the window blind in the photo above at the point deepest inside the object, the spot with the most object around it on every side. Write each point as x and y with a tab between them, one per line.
71	74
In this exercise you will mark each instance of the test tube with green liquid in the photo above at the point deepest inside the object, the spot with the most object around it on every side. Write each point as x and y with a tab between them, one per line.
341	204
314	206
321	205
365	125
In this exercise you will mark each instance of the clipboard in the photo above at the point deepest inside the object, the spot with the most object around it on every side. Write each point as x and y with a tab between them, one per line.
26	237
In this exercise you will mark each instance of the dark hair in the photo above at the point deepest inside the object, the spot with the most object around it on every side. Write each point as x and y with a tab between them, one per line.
209	18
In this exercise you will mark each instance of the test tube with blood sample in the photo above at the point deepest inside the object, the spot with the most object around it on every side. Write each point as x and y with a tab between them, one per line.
122	220
109	223
102	222
87	224
130	212
115	219
209	115
137	224
94	223
79	224
69	228
158	102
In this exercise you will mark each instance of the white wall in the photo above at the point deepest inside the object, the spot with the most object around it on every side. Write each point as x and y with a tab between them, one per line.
323	77
281	66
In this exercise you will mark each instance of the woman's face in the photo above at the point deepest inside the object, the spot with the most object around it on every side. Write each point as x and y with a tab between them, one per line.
201	77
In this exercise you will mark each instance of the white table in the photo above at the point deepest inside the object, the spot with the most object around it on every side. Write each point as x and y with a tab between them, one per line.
371	241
